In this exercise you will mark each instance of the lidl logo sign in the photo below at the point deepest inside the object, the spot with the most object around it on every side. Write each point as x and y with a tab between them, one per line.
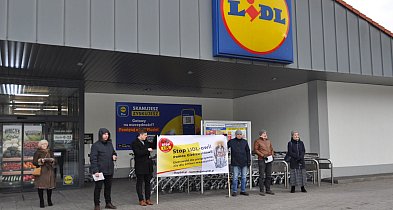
253	29
122	111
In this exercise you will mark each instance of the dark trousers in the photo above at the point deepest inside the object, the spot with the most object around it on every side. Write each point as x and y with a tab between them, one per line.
146	178
107	190
265	175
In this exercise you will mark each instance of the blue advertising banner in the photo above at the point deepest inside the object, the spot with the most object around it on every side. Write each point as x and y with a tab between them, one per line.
253	29
157	119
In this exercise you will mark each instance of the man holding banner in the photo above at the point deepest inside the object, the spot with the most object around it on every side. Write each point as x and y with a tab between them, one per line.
240	161
143	167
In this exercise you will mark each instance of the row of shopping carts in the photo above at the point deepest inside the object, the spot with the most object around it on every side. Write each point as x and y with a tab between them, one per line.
212	181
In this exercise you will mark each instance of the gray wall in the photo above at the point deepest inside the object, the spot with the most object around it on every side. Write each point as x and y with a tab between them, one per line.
327	37
279	112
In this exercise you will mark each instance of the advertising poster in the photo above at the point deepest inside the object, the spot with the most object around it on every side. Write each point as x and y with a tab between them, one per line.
12	141
226	129
32	135
191	155
157	119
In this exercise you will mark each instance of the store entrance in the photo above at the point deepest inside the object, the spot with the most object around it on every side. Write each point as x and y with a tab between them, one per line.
18	143
29	114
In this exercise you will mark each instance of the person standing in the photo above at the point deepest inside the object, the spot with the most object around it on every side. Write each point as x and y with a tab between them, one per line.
143	167
263	148
240	161
296	151
43	158
102	156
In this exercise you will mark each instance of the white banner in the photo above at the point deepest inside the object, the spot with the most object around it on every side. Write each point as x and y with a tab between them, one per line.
183	155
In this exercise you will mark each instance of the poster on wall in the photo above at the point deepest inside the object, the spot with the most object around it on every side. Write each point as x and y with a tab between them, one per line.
12	141
191	155
157	119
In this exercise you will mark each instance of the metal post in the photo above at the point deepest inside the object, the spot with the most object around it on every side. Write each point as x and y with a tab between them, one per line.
157	190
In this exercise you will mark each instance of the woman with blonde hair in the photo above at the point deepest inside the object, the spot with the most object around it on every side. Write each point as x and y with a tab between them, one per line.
44	159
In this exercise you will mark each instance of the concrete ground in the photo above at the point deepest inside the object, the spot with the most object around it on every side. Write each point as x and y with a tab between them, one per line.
375	194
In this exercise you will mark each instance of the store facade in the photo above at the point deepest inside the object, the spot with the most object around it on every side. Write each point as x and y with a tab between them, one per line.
326	62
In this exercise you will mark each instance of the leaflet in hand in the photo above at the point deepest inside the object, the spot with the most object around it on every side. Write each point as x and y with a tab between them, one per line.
99	177
269	159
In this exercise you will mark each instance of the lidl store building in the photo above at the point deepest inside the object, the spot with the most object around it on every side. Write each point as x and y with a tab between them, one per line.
315	66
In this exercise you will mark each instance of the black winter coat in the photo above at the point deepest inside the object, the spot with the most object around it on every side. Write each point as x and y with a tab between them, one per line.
296	150
143	164
101	155
240	152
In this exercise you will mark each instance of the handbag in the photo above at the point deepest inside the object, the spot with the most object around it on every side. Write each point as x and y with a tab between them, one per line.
37	171
287	157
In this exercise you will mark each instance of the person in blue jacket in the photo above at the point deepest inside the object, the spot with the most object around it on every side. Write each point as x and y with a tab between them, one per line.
102	156
240	161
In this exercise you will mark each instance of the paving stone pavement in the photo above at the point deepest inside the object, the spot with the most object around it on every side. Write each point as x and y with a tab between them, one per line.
376	194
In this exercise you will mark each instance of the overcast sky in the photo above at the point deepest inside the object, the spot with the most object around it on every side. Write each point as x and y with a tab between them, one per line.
381	11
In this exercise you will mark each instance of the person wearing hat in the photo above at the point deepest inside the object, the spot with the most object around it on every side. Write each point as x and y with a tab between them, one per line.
240	161
264	149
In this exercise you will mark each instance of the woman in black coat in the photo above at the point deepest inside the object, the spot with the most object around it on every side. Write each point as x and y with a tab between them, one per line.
296	151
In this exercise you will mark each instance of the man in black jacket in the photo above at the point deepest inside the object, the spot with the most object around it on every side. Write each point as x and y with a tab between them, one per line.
102	156
143	167
240	161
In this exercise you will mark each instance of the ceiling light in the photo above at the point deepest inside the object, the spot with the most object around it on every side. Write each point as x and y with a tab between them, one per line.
33	95
274	78
19	113
79	64
64	110
190	72
27	109
147	89
28	102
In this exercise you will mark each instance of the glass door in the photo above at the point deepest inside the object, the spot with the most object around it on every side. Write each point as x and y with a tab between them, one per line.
32	134
11	157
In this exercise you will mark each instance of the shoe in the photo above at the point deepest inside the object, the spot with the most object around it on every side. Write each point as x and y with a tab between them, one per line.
148	202
42	205
244	193
97	207
261	193
234	194
110	206
304	190
142	203
270	192
293	189
50	203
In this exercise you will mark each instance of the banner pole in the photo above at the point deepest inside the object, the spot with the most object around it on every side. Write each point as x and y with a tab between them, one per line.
229	185
157	189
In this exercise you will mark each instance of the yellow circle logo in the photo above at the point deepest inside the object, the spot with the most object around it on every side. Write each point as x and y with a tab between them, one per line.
68	180
258	26
123	109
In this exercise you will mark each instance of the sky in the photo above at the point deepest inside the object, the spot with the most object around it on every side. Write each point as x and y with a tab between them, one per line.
381	11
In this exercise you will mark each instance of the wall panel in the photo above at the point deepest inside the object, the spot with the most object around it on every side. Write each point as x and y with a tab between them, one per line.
353	42
148	27
329	36
316	29
77	23
376	55
169	28
189	28
22	22
3	18
365	50
342	39
126	24
386	55
102	24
